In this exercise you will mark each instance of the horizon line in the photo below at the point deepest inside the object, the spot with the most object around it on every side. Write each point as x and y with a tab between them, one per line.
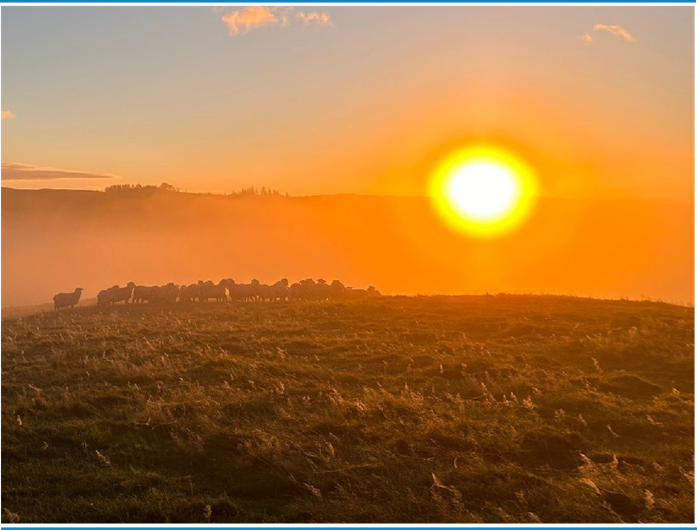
285	195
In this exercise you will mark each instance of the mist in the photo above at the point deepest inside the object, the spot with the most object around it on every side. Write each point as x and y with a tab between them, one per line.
57	240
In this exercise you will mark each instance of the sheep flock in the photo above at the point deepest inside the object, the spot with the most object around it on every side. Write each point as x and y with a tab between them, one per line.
226	290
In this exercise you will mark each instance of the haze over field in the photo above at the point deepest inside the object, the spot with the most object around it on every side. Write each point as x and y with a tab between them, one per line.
182	343
54	241
596	104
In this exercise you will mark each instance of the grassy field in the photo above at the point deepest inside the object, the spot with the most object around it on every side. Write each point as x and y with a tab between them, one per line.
425	409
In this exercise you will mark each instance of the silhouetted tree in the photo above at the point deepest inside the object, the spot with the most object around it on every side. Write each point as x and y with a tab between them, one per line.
141	190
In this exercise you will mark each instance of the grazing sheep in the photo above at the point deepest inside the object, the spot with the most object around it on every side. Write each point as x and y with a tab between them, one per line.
66	299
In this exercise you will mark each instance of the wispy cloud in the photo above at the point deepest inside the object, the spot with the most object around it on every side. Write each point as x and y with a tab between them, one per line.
314	17
614	29
587	38
242	21
8	115
14	171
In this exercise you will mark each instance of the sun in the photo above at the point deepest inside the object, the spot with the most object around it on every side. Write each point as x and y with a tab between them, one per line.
483	190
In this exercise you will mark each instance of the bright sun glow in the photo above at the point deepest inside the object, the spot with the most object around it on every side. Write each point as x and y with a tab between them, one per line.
483	190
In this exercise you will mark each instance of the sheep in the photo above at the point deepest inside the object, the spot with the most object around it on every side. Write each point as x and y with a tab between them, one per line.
265	292
66	299
304	290
210	290
244	292
169	293
280	290
165	293
238	291
352	293
295	292
277	291
300	290
234	290
141	294
319	291
124	294
337	290
116	294
103	297
307	289
254	290
189	293
156	294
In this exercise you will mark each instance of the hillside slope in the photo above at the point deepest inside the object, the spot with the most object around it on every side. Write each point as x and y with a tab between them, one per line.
57	240
425	409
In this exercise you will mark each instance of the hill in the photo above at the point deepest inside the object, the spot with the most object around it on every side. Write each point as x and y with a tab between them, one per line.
398	409
57	240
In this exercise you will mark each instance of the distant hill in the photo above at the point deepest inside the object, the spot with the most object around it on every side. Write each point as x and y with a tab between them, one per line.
56	240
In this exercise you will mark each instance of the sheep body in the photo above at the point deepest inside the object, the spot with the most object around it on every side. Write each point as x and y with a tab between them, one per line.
62	300
116	294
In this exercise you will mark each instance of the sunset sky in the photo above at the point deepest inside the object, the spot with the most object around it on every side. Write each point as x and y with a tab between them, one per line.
319	100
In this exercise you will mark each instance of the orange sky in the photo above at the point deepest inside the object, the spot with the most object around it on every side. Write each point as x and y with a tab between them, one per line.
315	100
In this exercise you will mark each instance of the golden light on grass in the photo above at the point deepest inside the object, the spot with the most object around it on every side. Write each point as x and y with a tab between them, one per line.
483	190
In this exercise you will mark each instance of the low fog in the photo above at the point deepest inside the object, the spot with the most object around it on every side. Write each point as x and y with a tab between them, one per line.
57	240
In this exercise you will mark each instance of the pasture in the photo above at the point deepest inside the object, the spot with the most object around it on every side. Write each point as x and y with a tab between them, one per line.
471	409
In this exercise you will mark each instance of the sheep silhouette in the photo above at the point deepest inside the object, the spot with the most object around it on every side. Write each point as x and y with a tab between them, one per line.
226	290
